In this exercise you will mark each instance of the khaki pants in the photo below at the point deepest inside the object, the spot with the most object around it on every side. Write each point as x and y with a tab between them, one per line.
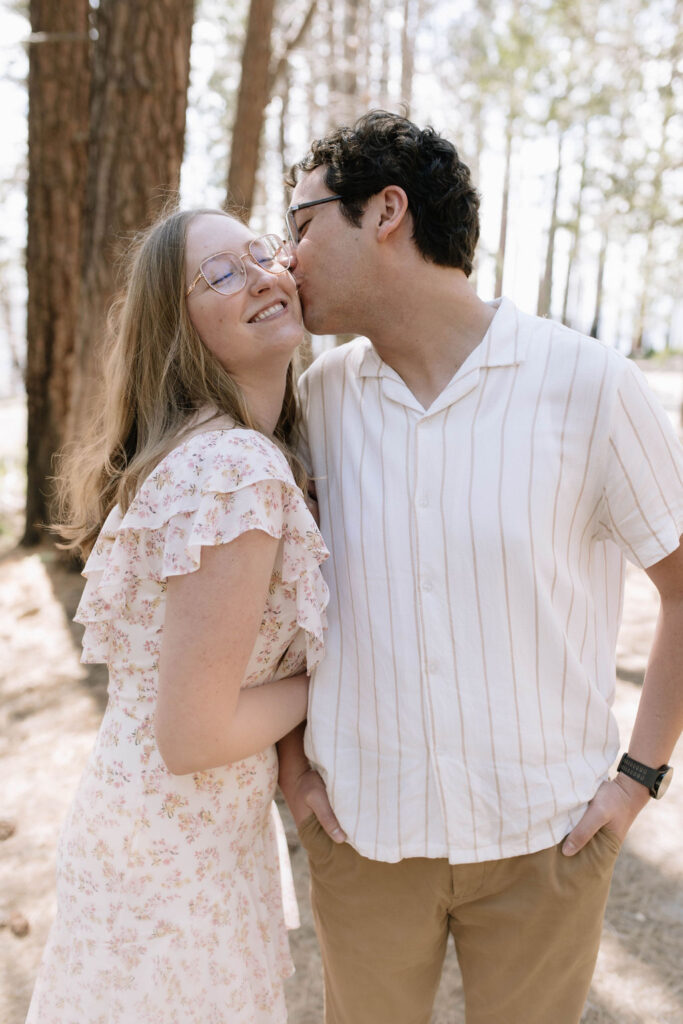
526	931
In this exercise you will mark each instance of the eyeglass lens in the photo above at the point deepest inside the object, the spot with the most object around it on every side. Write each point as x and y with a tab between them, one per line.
292	228
225	272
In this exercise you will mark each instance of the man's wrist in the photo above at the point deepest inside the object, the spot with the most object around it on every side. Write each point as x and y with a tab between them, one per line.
637	794
292	776
655	780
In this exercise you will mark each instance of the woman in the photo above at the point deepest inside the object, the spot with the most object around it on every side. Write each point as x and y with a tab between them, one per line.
205	599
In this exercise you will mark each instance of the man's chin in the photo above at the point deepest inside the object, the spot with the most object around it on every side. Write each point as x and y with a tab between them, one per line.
317	322
314	324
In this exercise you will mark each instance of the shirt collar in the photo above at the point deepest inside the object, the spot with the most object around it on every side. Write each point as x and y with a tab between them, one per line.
504	344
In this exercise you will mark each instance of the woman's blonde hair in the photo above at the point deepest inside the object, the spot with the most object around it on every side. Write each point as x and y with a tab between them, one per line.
158	374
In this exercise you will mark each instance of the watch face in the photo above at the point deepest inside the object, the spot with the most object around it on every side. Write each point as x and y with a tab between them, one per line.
664	783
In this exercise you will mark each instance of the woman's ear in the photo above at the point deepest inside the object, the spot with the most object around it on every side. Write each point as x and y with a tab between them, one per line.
393	207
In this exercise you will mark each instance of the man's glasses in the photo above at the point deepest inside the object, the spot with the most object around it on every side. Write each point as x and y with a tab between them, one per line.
226	273
292	227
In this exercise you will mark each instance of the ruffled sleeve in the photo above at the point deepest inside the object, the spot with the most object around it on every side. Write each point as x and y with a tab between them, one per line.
207	491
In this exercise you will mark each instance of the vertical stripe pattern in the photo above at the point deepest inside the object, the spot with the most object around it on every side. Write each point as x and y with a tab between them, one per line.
463	706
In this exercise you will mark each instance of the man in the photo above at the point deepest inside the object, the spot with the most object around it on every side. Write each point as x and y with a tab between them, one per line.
481	475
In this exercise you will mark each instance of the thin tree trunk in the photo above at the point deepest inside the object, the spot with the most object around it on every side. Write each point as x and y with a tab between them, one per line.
281	68
333	78
141	69
59	89
364	53
252	100
412	15
475	165
386	54
282	130
407	54
638	338
575	231
599	292
348	99
502	237
546	288
670	110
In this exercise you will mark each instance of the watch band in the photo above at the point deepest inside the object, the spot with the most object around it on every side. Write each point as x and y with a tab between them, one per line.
656	780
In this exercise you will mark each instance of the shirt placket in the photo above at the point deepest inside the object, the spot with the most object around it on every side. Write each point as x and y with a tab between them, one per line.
430	525
432	604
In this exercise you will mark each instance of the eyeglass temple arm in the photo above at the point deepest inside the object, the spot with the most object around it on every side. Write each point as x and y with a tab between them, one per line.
194	284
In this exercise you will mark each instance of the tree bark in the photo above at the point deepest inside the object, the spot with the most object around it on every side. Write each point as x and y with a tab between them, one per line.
383	87
599	292
281	68
575	231
412	16
546	287
502	237
141	66
252	100
348	101
59	89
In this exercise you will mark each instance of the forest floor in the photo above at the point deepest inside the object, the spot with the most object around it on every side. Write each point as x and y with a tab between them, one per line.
50	708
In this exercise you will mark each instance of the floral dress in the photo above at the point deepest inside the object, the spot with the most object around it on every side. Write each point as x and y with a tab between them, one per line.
170	907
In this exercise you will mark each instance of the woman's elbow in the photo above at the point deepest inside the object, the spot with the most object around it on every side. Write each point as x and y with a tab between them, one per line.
175	763
174	754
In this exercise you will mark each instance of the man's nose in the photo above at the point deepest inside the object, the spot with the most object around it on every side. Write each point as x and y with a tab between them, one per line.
292	255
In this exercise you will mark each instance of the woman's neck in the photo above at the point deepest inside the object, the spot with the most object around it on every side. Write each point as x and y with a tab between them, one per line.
264	402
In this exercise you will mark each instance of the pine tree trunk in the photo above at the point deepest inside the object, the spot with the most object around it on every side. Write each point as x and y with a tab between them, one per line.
576	232
141	65
502	237
638	338
546	287
349	86
383	88
365	27
475	167
333	77
252	100
412	16
59	89
599	292
282	131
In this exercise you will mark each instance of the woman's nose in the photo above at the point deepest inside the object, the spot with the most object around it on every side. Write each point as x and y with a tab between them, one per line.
258	277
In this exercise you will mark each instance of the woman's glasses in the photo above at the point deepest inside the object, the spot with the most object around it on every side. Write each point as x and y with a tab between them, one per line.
226	273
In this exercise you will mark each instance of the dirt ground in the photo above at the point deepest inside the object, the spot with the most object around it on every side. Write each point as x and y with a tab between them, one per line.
50	707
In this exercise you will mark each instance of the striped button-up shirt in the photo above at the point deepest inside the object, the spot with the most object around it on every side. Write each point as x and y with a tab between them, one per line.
463	706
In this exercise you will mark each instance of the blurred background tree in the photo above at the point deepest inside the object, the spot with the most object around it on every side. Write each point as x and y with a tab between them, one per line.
568	111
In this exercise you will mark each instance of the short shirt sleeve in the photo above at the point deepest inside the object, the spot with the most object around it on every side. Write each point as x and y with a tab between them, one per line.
643	491
303	448
207	491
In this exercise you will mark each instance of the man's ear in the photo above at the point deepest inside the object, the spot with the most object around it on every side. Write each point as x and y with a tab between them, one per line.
392	211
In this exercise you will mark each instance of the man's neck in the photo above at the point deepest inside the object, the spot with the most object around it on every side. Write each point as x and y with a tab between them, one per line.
430	334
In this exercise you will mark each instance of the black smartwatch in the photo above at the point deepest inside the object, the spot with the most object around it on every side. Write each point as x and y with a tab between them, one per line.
656	780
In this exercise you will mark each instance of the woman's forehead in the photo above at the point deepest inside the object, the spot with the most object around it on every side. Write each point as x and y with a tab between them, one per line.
213	232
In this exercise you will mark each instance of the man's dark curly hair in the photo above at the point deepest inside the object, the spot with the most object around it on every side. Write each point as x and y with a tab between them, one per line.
384	149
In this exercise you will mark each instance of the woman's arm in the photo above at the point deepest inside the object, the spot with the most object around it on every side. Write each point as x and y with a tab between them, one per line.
203	719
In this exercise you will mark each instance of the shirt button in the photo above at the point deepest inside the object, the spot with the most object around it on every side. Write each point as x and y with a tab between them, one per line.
423	502
434	666
427	586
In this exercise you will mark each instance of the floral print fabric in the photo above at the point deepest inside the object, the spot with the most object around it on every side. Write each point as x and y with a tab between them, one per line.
170	905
